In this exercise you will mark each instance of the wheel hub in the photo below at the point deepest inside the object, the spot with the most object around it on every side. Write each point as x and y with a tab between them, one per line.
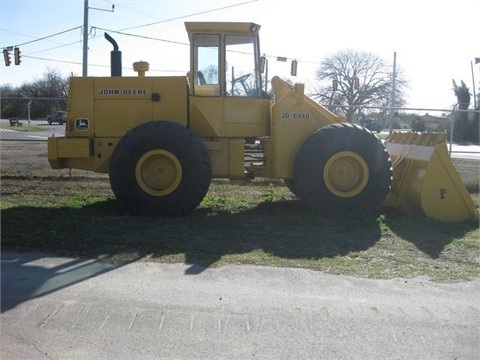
346	174
158	172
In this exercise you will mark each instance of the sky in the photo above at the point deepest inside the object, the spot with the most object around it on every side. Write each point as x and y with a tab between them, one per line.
432	45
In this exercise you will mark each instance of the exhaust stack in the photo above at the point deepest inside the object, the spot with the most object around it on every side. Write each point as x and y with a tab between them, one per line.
115	57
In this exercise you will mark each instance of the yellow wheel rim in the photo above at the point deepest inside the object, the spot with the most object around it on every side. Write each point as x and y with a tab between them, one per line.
158	172
346	174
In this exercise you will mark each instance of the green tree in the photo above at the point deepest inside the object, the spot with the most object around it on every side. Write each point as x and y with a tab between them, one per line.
362	79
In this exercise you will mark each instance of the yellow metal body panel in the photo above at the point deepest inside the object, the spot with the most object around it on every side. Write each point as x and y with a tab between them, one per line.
124	102
74	148
237	159
425	180
80	105
102	152
227	157
52	153
115	111
81	153
101	110
114	105
207	90
70	153
294	117
219	157
229	117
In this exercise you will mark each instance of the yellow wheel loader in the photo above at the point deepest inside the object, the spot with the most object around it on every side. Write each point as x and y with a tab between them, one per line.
162	139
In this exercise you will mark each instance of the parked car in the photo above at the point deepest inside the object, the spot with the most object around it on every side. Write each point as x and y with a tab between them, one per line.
57	117
370	124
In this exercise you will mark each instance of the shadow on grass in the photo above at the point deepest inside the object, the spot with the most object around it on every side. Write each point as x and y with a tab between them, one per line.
272	233
429	236
282	229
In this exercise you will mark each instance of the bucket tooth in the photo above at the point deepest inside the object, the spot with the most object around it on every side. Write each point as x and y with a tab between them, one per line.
425	181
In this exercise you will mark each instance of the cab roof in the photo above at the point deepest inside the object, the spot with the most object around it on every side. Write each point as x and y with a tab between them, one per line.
237	28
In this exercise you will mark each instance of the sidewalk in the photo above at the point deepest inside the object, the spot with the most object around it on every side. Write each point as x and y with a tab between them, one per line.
60	308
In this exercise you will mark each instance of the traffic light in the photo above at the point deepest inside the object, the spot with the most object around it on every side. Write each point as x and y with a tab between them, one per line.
293	69
357	83
6	57
16	55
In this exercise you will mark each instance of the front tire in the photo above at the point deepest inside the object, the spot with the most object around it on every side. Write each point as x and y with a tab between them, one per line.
290	185
342	168
160	168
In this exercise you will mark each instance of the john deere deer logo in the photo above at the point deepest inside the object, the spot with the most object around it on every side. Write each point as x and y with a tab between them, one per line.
81	124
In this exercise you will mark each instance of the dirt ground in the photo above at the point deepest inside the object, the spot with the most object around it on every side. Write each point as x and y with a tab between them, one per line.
27	159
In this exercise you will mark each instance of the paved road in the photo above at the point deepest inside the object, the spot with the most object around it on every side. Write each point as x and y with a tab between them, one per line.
60	308
45	130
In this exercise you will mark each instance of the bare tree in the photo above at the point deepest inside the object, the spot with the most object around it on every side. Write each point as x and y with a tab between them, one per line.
37	98
51	85
351	80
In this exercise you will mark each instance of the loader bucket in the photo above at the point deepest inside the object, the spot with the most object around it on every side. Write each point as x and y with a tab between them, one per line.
425	181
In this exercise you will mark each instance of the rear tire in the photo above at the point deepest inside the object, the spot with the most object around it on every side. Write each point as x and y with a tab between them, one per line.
342	168
160	168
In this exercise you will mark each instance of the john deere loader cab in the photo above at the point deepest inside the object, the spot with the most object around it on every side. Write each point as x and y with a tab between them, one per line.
225	93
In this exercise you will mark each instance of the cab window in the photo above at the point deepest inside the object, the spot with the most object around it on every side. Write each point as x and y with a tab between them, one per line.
206	77
241	75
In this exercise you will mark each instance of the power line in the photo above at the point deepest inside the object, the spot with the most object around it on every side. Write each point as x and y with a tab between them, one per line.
135	35
59	61
168	20
134	27
143	37
189	15
96	65
48	36
56	47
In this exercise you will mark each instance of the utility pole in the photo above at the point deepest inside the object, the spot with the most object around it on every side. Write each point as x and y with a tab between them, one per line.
85	35
85	38
392	95
473	81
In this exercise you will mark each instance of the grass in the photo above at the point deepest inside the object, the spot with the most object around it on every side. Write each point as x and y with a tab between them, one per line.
257	222
23	128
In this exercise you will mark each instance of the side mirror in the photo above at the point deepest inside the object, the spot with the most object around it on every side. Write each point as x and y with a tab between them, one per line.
263	61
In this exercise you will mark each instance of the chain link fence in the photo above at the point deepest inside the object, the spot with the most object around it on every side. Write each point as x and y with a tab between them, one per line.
24	129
